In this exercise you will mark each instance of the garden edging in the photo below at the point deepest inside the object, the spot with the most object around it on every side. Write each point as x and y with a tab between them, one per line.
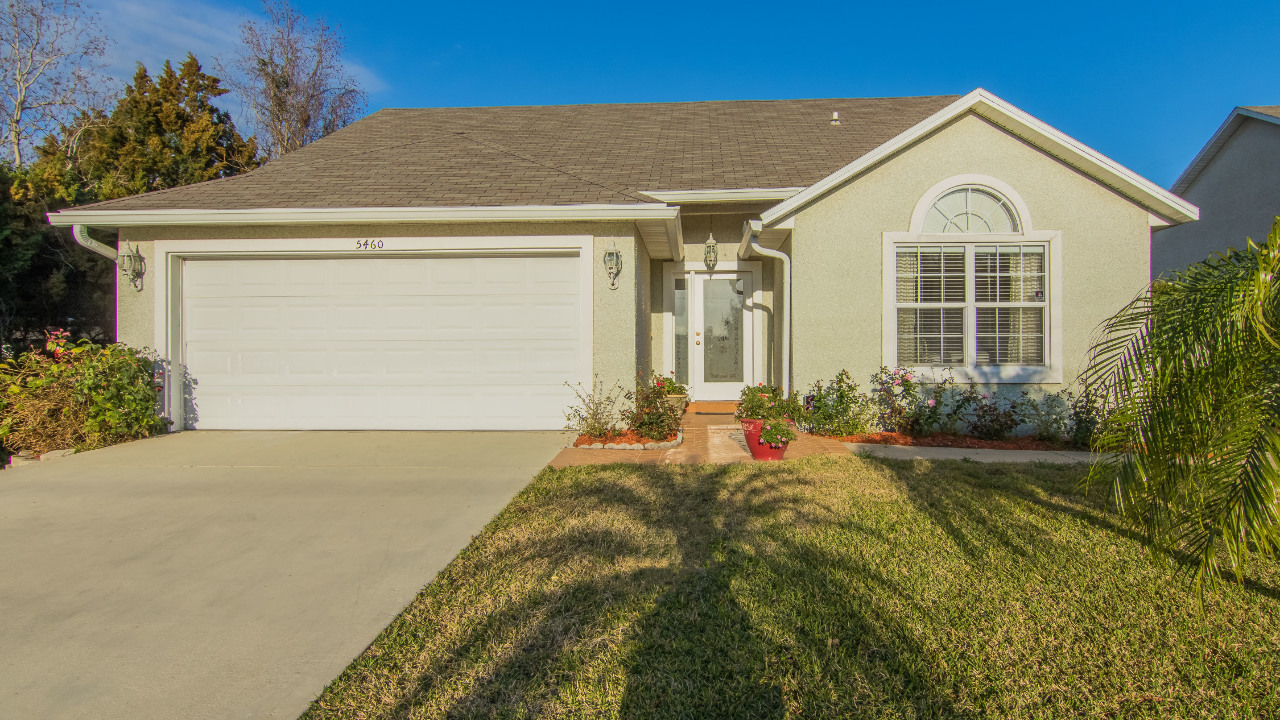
633	446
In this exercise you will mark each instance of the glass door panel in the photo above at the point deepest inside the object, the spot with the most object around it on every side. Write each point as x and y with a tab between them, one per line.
722	323
721	346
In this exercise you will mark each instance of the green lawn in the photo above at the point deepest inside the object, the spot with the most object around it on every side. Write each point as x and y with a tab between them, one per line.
825	587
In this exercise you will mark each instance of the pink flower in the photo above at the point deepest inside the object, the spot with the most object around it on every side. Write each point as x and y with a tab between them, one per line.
986	396
908	376
897	382
932	402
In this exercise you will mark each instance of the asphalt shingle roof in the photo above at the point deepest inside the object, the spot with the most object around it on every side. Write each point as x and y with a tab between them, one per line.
557	155
1272	110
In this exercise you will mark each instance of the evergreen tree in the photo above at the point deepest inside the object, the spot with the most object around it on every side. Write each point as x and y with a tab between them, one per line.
163	133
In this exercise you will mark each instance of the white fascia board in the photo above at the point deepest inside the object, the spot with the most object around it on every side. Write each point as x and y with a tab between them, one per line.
1067	149
1215	144
718	196
357	216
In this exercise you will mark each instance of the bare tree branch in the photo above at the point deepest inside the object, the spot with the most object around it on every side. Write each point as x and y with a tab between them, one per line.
290	76
49	52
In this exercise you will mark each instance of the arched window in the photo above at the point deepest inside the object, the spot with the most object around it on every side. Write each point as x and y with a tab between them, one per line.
971	209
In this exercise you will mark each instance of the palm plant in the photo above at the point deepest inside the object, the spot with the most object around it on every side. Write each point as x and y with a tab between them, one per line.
1188	376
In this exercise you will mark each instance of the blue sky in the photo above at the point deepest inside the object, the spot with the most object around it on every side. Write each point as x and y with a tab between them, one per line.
1145	83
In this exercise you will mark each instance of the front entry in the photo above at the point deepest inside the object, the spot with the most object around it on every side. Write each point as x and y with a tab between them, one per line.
713	327
722	337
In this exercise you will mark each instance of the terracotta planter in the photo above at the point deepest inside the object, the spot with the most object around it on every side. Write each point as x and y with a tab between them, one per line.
751	428
762	451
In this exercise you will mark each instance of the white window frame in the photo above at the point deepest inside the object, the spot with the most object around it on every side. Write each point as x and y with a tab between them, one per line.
1051	371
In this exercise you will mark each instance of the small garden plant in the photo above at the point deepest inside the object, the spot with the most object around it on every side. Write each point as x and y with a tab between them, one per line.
596	412
78	395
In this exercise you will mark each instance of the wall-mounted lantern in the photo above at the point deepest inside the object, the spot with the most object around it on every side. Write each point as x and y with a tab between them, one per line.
132	265
613	264
711	253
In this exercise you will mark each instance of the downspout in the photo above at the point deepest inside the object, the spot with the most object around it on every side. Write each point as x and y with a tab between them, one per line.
81	234
751	244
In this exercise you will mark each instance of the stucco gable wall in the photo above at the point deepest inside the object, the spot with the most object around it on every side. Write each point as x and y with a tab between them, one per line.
837	244
1239	197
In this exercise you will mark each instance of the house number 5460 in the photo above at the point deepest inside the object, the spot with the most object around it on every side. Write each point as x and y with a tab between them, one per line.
368	244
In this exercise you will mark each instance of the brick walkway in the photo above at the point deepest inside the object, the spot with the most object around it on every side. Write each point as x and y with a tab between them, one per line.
711	435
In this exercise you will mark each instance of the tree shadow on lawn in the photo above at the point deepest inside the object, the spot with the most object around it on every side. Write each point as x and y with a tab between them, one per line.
695	649
975	504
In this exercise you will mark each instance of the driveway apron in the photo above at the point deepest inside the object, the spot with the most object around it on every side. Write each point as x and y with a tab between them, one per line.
230	574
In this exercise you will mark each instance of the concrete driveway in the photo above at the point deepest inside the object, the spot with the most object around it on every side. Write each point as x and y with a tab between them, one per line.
229	574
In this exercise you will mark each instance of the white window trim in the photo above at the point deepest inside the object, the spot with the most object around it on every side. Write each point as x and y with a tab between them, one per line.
1050	373
933	194
672	270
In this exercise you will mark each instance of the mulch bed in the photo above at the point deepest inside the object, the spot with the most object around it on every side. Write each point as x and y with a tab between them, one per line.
955	441
629	437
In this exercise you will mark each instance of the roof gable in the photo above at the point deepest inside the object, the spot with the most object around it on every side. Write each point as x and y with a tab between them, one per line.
1238	116
1167	207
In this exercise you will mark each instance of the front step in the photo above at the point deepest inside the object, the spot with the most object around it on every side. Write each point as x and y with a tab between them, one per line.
712	407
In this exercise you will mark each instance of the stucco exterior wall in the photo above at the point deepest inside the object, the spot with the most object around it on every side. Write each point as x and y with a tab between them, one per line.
617	341
135	309
837	245
1239	197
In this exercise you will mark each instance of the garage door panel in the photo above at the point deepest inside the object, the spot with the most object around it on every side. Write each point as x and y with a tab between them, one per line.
382	343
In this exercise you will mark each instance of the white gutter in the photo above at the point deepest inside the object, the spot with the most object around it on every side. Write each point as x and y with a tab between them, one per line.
751	243
681	197
348	216
81	234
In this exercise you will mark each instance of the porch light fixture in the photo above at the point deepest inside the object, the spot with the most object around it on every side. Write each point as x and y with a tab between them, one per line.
613	264
711	253
132	265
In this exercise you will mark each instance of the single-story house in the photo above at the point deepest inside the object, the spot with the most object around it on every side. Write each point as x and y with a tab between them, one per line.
1235	180
454	268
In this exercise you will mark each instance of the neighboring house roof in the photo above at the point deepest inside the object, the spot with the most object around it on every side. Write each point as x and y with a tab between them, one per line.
1238	116
557	155
1166	208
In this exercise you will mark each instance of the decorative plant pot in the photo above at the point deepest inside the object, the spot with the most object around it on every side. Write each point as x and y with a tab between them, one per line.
679	402
751	429
764	451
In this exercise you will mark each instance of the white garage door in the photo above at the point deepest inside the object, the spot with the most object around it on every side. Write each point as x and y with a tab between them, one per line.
425	343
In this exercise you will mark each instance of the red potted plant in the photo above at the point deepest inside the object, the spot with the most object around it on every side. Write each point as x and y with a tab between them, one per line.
762	406
771	443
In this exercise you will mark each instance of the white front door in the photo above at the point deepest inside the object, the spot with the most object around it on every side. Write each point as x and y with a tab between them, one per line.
722	335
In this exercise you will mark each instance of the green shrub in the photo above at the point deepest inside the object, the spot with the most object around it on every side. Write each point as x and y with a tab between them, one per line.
837	408
1049	415
78	395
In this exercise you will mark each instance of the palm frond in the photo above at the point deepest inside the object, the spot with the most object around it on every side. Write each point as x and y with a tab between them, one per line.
1188	375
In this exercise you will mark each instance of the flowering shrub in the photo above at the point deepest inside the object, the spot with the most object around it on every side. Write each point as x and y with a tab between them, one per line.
78	395
669	385
897	395
776	433
651	415
760	402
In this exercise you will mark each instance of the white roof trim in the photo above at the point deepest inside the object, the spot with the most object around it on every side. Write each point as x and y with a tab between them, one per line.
347	216
1216	143
1089	161
715	196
